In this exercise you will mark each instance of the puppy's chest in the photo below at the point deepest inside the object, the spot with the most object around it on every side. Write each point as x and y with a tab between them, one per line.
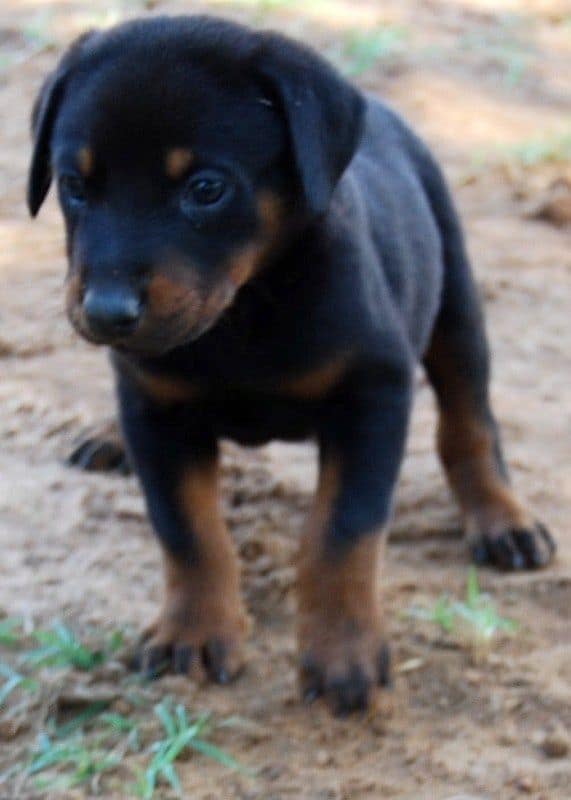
305	384
254	418
250	406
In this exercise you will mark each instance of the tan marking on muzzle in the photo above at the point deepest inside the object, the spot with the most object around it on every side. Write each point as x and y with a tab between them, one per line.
73	296
177	161
168	296
85	161
248	260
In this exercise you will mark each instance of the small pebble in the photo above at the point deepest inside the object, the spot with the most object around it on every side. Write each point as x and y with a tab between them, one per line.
556	744
323	758
10	728
525	783
121	706
466	797
507	737
473	676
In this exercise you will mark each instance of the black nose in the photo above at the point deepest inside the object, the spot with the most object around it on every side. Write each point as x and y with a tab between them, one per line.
112	312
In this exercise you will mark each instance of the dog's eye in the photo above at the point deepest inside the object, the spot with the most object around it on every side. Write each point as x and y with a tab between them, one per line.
72	188
204	190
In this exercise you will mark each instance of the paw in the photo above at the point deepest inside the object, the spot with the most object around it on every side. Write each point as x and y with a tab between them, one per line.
515	548
100	450
345	673
171	646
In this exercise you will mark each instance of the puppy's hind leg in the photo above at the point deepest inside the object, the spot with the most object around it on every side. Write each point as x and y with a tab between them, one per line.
500	529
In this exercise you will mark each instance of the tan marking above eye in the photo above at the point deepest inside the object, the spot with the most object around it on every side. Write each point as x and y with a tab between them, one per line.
85	160
177	161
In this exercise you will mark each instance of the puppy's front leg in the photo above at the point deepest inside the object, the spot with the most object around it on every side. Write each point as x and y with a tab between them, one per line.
202	618
343	654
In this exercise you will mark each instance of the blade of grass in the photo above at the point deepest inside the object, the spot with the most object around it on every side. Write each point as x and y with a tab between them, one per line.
216	754
14	680
80	720
7	628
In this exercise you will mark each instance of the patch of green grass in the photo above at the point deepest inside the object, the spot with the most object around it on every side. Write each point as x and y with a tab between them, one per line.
96	741
14	680
120	724
552	148
441	613
476	615
508	44
542	150
85	748
90	745
60	647
79	721
37	32
265	6
181	733
78	760
479	612
8	635
361	49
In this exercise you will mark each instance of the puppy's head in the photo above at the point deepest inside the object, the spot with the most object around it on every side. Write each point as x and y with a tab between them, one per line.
183	149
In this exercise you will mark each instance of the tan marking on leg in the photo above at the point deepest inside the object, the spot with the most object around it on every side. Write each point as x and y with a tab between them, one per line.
177	162
338	596
85	161
202	598
466	448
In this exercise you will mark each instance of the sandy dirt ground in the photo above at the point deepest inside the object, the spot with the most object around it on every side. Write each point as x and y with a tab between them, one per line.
477	82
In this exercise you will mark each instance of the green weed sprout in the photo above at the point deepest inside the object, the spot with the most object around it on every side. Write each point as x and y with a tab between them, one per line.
8	628
71	758
181	733
60	647
14	680
475	617
85	762
540	151
363	49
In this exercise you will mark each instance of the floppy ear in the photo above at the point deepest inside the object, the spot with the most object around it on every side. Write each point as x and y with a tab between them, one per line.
43	117
44	114
324	114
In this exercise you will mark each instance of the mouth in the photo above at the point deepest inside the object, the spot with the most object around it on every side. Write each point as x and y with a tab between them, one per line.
159	332
152	339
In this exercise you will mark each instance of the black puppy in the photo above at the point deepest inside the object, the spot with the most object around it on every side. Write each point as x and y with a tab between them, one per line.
268	253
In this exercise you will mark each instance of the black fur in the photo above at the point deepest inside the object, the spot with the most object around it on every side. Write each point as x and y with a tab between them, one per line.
367	267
